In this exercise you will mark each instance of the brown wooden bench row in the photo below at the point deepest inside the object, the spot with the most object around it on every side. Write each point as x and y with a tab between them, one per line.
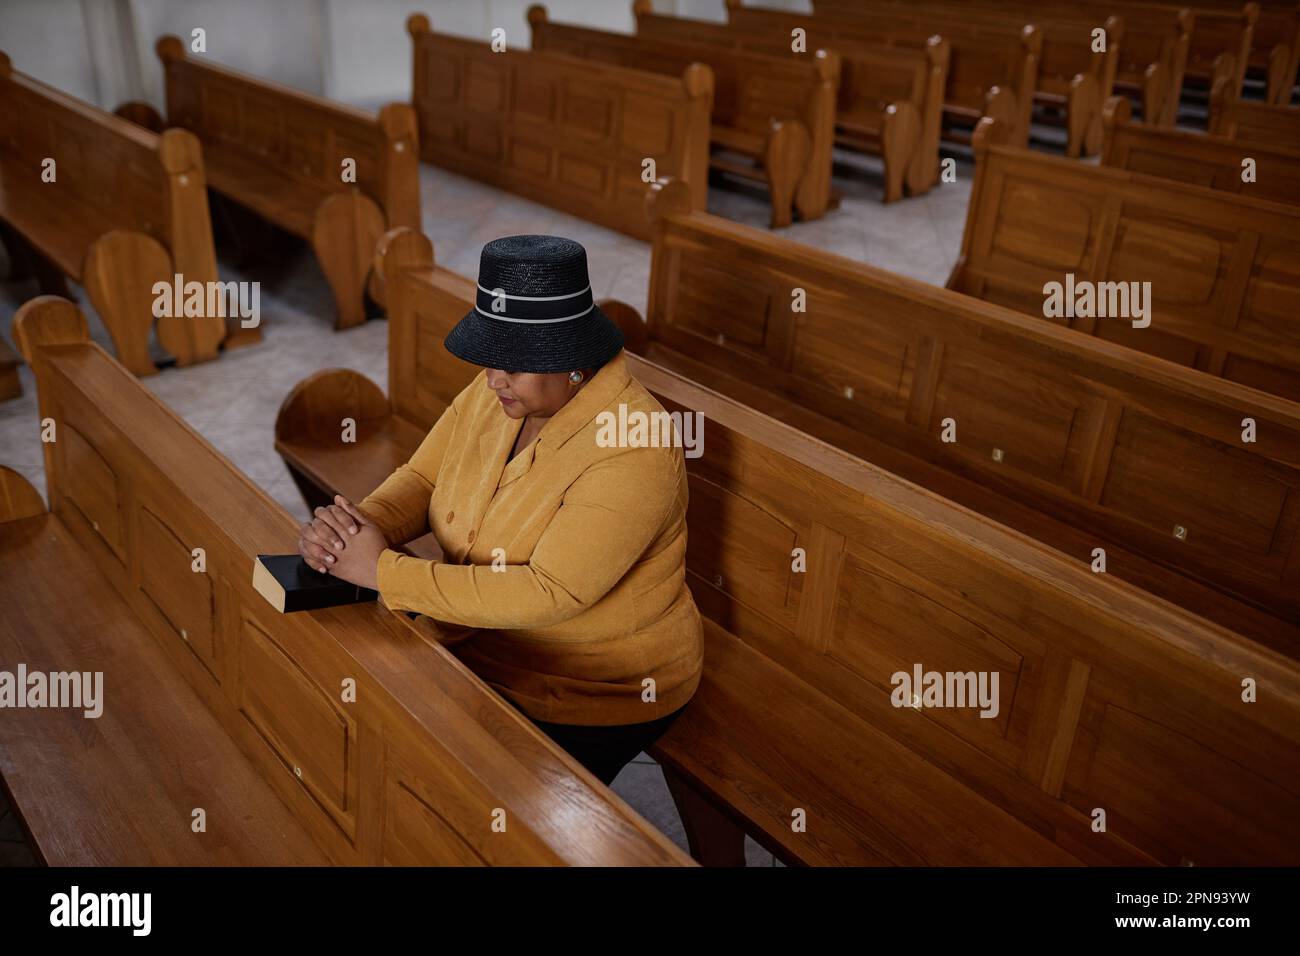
889	103
127	208
1216	162
1109	697
1236	118
773	118
1077	442
347	736
281	153
1153	43
1222	269
992	71
1072	80
562	131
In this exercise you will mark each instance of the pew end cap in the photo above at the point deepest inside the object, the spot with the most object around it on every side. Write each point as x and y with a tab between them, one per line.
535	14
667	197
169	48
642	8
18	497
697	80
179	151
1117	111
401	249
313	411
938	51
417	23
47	320
629	321
989	131
398	121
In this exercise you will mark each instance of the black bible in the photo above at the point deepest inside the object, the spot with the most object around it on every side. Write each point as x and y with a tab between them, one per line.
288	584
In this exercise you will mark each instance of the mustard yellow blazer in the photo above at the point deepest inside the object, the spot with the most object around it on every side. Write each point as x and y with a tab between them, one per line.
570	558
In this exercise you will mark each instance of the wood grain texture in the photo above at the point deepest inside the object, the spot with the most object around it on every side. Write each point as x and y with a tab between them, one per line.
120	272
18	498
11	386
1215	162
569	133
112	177
413	771
1076	441
982	57
1223	269
1102	686
757	99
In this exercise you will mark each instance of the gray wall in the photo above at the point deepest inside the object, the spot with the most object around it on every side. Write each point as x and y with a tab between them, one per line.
352	50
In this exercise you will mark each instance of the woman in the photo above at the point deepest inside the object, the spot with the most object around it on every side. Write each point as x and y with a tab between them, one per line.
567	557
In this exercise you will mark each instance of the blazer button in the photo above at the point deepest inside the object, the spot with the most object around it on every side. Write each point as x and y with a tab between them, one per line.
450	516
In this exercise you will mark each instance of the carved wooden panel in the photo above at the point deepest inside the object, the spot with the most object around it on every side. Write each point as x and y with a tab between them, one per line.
568	133
182	595
1222	269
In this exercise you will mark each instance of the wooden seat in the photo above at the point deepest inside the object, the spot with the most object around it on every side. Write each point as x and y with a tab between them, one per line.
119	210
1215	162
284	154
378	745
570	133
1220	266
778	112
1108	695
120	789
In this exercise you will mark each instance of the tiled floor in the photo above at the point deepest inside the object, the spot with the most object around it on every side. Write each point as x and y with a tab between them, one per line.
233	401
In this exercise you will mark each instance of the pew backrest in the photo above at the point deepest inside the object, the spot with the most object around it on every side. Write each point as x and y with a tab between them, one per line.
982	58
1253	121
1251	168
1222	269
419	763
127	176
1108	697
310	138
1103	438
569	133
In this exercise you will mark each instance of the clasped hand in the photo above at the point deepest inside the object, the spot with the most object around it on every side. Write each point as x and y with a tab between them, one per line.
342	541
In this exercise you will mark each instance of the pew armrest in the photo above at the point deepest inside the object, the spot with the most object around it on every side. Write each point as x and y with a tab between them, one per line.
18	497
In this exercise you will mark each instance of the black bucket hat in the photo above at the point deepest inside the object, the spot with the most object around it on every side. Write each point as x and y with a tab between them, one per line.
535	311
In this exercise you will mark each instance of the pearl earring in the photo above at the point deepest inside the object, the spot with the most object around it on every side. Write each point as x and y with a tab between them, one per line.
575	377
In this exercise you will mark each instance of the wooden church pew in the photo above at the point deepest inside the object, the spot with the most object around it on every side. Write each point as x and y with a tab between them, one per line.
378	745
991	72
284	154
1252	121
1077	442
1109	696
1212	161
562	131
1152	55
126	208
1223	268
777	114
890	100
1072	79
